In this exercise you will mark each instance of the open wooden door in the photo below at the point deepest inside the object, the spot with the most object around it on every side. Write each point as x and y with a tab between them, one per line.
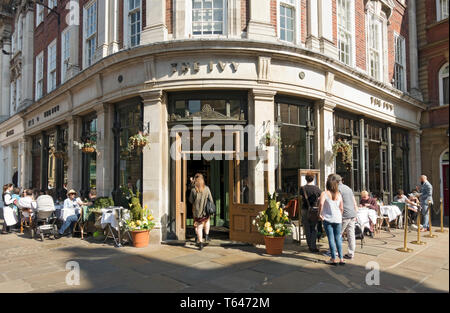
180	190
242	214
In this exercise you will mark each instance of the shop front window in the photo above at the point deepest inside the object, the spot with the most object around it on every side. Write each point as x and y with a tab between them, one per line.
129	119
376	159
296	143
36	162
347	128
400	173
89	160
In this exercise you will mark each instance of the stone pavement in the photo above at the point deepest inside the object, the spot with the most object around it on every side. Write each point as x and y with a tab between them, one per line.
28	265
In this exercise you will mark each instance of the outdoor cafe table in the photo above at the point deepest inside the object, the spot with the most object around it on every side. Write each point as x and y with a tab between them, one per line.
365	215
392	211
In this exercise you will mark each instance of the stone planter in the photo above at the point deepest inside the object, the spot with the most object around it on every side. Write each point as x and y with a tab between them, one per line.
140	238
274	245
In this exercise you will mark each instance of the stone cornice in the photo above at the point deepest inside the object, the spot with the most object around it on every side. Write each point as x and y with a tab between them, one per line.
235	46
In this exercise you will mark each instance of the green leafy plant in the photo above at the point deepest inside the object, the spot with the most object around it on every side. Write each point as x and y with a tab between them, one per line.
274	221
139	140
140	218
344	147
103	202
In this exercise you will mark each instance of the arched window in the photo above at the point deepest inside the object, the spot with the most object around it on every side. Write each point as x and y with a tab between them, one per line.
443	85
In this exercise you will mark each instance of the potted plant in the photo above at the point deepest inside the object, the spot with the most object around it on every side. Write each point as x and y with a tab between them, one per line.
140	223
274	225
138	141
344	147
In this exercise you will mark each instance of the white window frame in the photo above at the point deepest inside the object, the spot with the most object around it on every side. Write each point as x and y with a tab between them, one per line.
380	74
190	9
441	76
403	86
51	66
439	14
52	4
65	53
297	23
39	14
93	36
127	23
352	53
39	76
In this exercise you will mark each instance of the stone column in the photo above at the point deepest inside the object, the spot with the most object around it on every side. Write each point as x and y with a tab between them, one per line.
182	16
327	164
74	67
389	160
113	27
74	163
259	26
9	164
103	21
156	161
234	18
415	169
156	28
362	153
27	60
312	37
413	52
5	77
325	29
105	149
22	161
261	115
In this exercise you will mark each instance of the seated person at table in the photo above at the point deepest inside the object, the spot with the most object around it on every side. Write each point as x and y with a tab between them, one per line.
367	201
370	203
70	203
92	196
27	204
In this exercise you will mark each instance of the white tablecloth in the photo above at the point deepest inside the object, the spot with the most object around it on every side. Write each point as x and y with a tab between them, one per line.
392	211
365	215
111	216
66	212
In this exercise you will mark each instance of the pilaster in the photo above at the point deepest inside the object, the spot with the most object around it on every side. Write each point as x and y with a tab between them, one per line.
327	164
74	162
156	29
105	150
259	26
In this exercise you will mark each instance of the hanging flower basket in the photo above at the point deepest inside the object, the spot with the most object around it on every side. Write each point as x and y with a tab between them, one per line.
137	142
344	147
86	147
57	154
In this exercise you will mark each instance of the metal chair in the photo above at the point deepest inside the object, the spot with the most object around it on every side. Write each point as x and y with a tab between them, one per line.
80	223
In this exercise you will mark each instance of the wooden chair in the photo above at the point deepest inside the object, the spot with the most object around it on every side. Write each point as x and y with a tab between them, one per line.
292	208
80	223
381	219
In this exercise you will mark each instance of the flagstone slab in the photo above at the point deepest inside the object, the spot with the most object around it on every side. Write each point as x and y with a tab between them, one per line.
15	286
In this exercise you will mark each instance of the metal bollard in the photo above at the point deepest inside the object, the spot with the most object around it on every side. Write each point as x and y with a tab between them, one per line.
430	235
405	248
418	241
442	230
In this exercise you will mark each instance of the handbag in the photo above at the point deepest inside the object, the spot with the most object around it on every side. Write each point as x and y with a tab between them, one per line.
313	212
210	207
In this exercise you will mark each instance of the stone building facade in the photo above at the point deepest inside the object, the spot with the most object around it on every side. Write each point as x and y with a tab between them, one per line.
432	27
307	72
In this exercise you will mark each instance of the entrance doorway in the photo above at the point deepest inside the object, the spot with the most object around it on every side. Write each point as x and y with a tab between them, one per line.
215	173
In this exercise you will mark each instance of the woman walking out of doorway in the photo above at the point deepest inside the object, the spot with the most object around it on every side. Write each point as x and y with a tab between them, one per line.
200	194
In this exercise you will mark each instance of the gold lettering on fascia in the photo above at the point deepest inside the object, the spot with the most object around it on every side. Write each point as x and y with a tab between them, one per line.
381	104
184	67
10	133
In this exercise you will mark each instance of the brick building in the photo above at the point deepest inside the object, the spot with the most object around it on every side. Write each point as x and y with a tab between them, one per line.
308	72
432	32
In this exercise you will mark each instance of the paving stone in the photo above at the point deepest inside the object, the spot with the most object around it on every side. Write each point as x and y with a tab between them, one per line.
157	283
15	286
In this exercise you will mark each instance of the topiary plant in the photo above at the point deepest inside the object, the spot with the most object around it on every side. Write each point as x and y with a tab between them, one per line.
137	212
273	211
103	202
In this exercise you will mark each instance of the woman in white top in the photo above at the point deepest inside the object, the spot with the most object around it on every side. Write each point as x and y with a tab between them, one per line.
8	202
331	208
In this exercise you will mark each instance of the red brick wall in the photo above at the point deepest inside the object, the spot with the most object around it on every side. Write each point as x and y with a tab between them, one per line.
303	17
273	14
44	34
360	36
398	24
169	16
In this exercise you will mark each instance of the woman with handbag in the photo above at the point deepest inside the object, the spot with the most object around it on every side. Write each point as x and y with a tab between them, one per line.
201	200
331	208
310	210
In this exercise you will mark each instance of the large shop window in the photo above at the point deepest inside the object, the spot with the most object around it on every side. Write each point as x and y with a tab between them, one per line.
129	165
376	159
347	128
296	126
400	168
56	162
36	148
89	160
